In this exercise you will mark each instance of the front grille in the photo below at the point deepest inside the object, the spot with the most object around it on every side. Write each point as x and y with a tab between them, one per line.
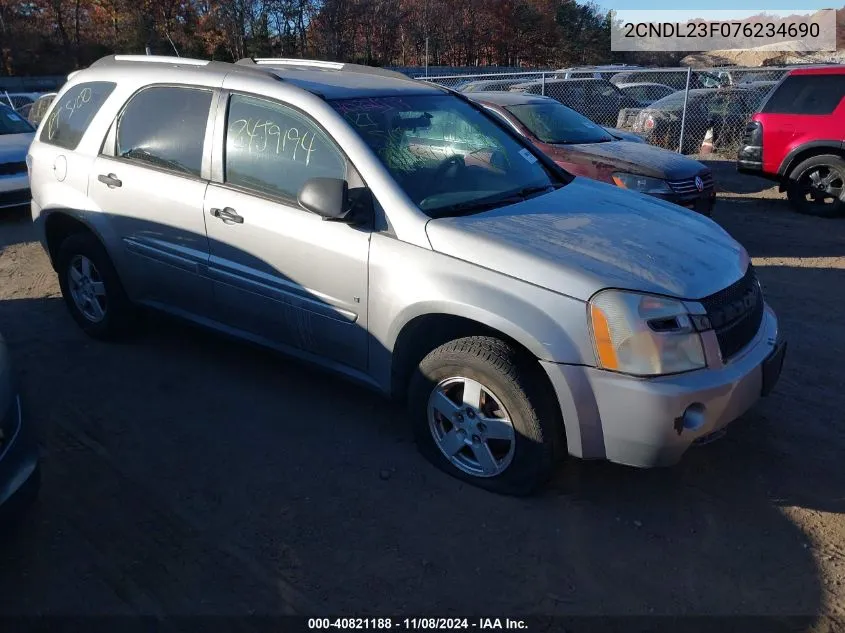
687	185
736	313
8	169
10	198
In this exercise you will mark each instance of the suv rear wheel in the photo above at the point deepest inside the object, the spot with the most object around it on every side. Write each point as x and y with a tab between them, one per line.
91	288
480	414
817	185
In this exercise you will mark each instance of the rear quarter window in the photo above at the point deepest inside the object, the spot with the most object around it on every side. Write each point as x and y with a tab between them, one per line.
72	114
807	94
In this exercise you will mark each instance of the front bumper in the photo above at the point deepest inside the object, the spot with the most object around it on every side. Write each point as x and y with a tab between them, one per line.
18	460
700	202
639	421
14	190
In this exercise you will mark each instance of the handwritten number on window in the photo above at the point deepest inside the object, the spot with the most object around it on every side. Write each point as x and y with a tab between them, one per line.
266	137
70	107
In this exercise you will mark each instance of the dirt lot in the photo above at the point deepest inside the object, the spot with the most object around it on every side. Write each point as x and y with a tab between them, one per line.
187	474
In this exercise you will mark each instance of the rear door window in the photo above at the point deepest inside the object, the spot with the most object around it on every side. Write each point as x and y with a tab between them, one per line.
807	94
72	114
164	127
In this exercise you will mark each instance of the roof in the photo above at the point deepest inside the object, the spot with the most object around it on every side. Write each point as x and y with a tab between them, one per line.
819	70
330	80
573	80
508	98
642	83
334	84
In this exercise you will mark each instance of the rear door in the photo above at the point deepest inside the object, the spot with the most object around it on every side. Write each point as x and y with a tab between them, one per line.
151	179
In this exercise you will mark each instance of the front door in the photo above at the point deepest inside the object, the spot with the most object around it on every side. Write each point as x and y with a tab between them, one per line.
148	180
282	273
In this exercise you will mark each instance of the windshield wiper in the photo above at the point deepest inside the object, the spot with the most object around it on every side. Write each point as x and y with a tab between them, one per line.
476	206
527	191
485	204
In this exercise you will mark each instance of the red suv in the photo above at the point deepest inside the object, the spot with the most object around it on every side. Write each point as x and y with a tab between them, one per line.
798	139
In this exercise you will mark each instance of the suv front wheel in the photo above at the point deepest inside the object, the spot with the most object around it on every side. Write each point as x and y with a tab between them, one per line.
91	288
817	185
480	413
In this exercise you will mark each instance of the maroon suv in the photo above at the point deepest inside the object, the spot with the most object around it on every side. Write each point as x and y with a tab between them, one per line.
798	139
584	148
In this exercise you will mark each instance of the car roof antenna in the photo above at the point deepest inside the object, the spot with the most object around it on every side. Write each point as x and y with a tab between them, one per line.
175	50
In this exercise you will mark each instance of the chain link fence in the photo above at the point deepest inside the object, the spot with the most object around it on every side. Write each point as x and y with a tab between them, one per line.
692	111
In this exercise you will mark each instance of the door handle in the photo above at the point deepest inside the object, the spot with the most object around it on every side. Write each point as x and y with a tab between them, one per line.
228	215
111	181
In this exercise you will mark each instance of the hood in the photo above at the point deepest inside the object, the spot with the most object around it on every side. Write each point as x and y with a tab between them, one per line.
588	235
13	147
640	158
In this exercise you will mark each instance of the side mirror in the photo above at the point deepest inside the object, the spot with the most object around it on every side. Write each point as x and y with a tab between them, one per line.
327	197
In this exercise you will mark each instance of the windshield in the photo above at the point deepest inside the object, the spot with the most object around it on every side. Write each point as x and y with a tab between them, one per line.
553	122
13	123
447	156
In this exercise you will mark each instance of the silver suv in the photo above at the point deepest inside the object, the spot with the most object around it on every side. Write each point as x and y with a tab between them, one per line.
395	232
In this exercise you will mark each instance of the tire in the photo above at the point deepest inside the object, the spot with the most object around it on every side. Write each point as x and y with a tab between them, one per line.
799	186
119	317
512	386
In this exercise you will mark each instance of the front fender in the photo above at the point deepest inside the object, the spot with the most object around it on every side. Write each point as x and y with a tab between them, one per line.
407	282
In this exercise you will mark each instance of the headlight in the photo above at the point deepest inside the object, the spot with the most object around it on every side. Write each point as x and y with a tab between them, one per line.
644	335
643	184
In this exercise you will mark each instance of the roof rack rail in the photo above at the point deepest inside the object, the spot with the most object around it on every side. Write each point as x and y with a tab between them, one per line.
151	59
316	64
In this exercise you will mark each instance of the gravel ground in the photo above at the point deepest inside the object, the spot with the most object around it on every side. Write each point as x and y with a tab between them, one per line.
187	474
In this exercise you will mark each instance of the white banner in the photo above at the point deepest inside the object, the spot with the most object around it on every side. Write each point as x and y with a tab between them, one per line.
703	30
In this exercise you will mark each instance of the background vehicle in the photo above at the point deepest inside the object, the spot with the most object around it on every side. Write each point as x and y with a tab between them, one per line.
597	99
483	85
585	149
646	93
17	100
38	109
399	234
15	136
677	80
797	139
592	72
19	472
724	111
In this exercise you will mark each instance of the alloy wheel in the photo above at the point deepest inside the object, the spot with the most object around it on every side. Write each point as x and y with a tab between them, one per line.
471	426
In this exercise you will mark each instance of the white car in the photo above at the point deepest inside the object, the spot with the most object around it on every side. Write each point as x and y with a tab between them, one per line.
16	134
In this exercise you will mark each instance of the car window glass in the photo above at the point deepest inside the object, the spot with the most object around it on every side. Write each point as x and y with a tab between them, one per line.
165	127
606	91
807	94
443	151
72	114
553	122
12	122
274	149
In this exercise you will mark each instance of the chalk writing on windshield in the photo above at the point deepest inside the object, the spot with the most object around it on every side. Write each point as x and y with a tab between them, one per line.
264	136
67	109
371	104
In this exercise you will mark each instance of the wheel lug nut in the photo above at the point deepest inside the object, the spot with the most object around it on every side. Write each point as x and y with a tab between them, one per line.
459	417
481	427
476	439
470	413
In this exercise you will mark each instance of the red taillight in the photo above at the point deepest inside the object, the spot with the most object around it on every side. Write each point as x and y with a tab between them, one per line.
649	122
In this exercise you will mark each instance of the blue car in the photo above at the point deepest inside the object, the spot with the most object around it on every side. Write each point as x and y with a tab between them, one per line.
19	472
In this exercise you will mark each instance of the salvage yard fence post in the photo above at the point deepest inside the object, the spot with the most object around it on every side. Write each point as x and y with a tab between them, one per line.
684	112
